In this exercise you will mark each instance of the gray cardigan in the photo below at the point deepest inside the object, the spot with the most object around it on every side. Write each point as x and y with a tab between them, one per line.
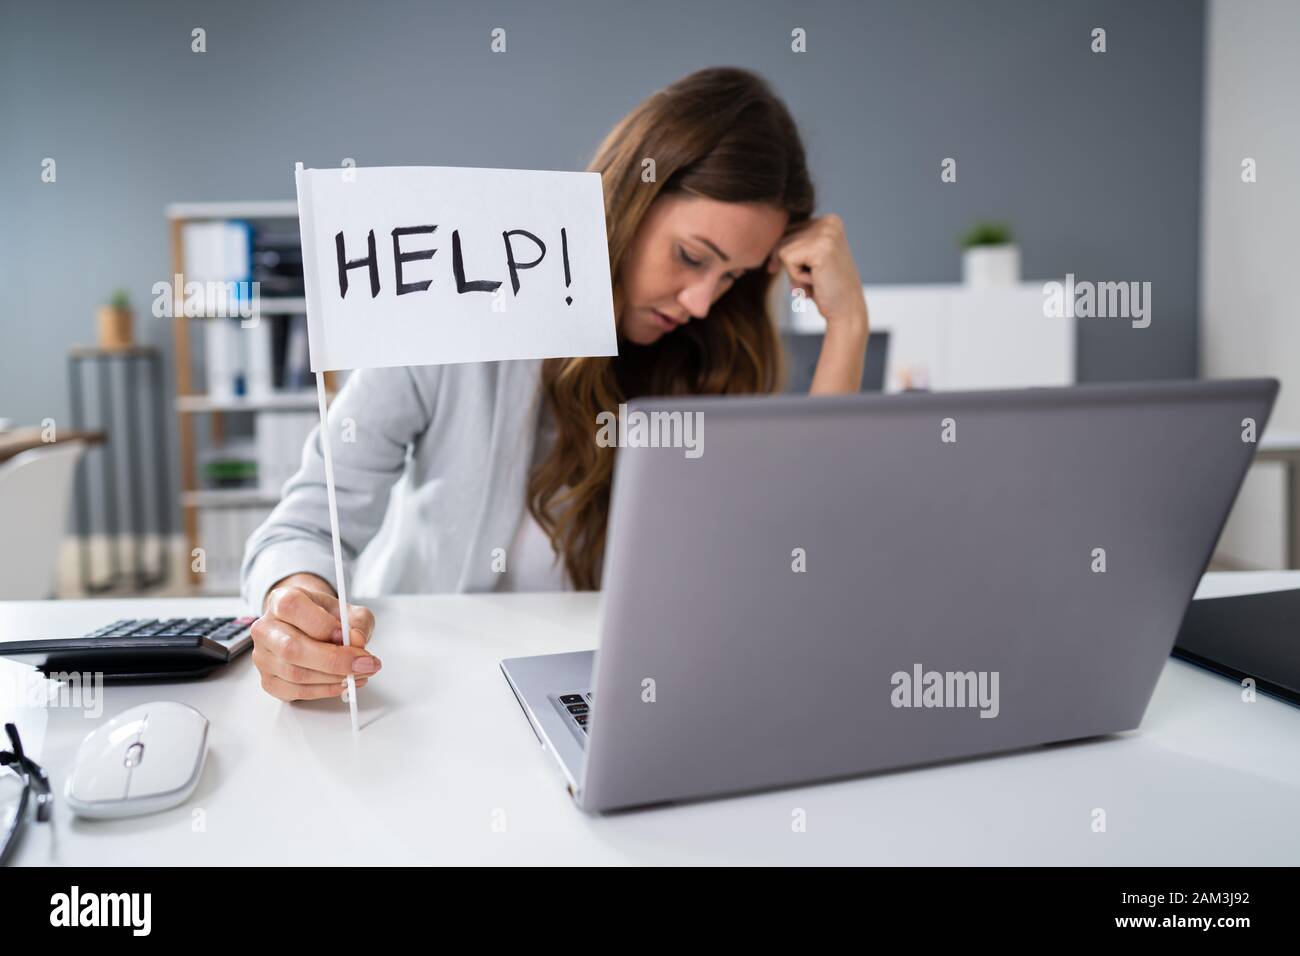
430	468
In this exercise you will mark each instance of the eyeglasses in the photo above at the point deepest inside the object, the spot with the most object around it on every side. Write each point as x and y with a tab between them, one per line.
20	776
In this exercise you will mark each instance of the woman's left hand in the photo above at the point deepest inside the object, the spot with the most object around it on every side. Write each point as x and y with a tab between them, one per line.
819	262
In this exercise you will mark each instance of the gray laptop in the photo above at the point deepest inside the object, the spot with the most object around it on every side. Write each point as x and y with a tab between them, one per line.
851	584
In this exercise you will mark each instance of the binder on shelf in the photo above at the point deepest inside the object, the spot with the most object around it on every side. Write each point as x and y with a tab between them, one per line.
280	440
219	257
223	535
297	366
260	375
221	358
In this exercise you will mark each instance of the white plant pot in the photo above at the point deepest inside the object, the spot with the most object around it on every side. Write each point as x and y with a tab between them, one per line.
984	267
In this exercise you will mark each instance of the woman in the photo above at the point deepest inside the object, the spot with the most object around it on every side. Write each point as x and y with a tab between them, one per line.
506	486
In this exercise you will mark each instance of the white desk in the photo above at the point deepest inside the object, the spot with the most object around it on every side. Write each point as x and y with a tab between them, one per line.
445	752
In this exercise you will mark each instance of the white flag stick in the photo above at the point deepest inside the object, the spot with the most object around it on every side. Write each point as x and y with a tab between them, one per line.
304	218
334	531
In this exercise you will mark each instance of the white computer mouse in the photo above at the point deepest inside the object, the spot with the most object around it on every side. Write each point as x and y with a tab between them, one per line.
143	760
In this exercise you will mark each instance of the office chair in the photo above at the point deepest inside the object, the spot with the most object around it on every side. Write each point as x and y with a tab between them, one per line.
35	500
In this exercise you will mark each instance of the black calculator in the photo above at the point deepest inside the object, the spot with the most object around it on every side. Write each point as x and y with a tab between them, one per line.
177	648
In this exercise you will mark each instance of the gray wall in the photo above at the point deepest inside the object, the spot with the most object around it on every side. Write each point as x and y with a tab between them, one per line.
1094	159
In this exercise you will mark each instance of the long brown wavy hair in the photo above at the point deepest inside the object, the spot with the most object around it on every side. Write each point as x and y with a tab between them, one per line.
718	133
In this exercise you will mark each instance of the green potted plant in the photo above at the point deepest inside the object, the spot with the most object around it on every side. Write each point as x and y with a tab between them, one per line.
990	257
114	321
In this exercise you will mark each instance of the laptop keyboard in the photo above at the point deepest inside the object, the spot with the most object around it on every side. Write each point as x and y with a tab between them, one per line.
578	704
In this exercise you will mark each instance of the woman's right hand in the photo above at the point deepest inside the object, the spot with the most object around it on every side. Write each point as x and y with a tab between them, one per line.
298	643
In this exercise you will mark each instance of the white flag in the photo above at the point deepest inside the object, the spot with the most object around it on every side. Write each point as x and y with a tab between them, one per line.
429	265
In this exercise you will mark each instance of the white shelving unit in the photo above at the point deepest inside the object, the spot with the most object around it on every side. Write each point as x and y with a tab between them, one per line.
199	504
275	402
251	209
947	336
228	498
